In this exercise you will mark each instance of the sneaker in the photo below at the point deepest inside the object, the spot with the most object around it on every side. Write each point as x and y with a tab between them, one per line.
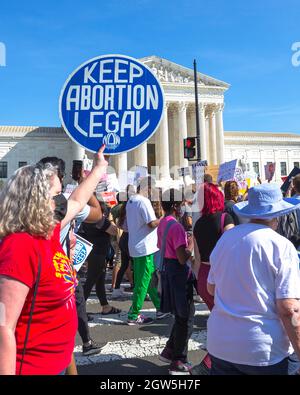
129	289
180	368
160	315
166	355
141	320
117	293
200	370
92	348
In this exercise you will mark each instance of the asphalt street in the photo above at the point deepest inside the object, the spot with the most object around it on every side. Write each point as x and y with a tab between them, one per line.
134	350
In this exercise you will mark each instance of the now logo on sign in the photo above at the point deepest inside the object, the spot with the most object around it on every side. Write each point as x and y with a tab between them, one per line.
82	251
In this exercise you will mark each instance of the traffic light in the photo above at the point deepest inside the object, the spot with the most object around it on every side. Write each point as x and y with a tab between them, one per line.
189	145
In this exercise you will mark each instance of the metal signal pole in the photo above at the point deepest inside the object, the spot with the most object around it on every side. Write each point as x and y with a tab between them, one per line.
197	112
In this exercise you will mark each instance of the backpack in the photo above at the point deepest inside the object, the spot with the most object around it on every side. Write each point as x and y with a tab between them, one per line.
288	227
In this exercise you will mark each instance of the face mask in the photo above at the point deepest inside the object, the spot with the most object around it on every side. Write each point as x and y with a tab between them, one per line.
61	207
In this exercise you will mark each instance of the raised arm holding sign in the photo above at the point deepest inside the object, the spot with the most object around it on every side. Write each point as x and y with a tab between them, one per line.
81	195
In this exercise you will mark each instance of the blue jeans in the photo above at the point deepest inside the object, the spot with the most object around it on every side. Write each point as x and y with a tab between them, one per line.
288	366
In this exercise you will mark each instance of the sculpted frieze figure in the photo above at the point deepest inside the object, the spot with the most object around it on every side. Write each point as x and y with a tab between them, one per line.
166	75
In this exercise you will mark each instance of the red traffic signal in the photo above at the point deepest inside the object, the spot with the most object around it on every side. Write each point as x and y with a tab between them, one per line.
189	145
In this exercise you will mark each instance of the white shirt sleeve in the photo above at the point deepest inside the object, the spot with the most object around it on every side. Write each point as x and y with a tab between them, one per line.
82	216
287	281
147	211
211	277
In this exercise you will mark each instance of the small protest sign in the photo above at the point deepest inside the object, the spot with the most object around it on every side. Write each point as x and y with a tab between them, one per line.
87	165
126	178
199	171
184	171
82	251
270	171
227	171
112	183
69	189
109	198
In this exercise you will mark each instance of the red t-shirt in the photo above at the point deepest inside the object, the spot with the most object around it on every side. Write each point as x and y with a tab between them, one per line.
54	323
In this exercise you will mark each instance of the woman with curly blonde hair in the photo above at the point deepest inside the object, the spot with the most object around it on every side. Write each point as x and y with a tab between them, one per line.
38	319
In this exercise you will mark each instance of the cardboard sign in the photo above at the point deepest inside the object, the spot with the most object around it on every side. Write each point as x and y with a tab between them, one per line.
114	100
227	171
87	165
126	178
109	198
112	183
82	251
69	189
213	170
184	171
270	171
286	184
199	171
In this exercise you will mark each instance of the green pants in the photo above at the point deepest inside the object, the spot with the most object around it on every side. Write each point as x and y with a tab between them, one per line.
143	268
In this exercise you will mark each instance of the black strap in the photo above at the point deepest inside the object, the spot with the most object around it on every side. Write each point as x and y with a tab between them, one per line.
67	239
31	312
164	244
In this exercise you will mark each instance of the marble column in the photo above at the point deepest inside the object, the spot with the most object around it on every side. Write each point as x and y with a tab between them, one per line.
207	138
141	155
164	161
77	152
121	163
220	134
182	127
173	135
191	120
212	135
203	145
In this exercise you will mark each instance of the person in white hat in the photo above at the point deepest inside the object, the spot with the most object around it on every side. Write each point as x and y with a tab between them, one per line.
254	327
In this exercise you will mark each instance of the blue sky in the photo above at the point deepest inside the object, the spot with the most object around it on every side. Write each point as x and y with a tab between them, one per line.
247	44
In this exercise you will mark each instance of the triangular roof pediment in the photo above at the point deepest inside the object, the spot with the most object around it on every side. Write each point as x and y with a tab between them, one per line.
170	72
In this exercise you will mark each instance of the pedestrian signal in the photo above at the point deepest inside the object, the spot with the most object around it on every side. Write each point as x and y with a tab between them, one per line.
189	145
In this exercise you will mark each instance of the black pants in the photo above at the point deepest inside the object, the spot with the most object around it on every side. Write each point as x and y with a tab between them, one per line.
177	297
83	328
180	334
125	258
96	275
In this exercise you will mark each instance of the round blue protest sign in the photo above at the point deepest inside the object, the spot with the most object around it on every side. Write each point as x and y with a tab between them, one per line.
113	100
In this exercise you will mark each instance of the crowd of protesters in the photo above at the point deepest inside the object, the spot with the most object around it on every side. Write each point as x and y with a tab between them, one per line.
238	253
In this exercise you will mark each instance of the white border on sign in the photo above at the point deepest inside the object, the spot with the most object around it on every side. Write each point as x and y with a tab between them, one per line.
91	60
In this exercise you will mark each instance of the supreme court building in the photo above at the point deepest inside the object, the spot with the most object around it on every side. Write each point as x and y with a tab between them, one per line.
20	145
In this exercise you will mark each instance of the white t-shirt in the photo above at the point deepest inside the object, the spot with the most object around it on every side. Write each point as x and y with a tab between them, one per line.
142	239
251	267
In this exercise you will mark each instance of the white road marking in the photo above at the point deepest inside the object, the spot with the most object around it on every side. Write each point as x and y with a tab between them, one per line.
134	348
121	318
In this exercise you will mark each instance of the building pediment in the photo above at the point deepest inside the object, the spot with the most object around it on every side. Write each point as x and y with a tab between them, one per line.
173	73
